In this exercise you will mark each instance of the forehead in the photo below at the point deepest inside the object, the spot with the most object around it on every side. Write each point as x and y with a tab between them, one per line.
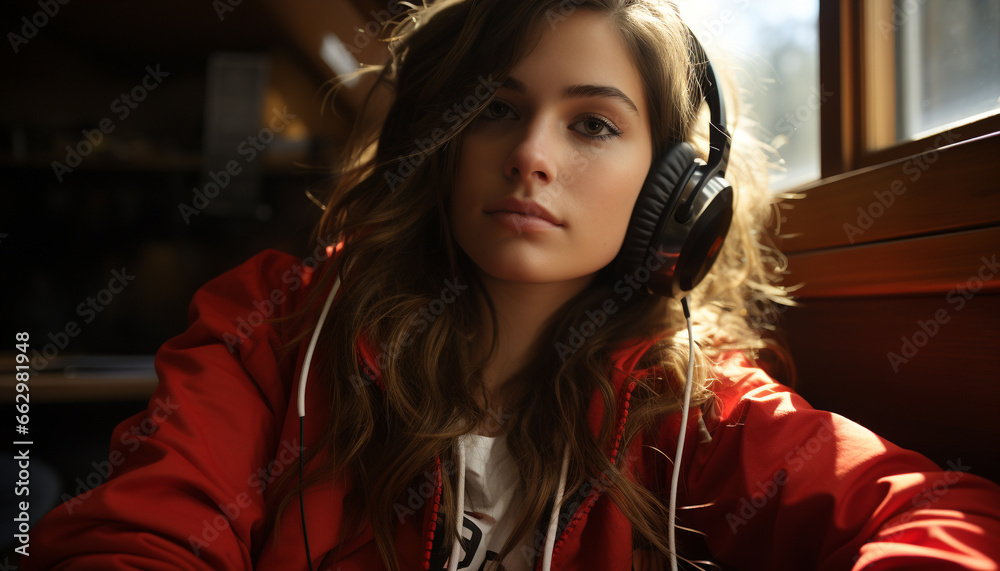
583	47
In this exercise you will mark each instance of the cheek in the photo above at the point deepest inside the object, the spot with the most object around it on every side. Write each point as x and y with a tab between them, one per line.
463	180
457	210
465	199
614	194
473	162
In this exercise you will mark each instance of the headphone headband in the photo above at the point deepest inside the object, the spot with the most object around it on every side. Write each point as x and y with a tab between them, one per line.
708	84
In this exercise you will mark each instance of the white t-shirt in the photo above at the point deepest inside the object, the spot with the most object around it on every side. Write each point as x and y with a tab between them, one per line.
491	505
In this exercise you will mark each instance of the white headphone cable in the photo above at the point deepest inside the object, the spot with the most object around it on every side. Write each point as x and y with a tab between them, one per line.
680	438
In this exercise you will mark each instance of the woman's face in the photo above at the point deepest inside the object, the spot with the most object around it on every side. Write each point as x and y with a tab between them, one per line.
550	171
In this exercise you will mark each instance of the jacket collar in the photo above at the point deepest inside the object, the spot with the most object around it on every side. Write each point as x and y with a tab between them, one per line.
420	546
624	361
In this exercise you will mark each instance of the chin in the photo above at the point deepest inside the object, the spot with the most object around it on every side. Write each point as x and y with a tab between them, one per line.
528	269
529	259
514	270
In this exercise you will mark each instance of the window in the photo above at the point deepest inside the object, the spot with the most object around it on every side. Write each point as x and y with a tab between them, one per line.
940	59
773	48
876	188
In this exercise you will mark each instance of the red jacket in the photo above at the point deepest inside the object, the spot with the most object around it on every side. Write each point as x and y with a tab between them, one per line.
781	485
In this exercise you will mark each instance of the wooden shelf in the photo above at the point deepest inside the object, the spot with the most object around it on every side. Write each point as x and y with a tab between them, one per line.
84	378
153	164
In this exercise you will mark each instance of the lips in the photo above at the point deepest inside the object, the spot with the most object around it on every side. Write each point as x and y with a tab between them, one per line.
525	208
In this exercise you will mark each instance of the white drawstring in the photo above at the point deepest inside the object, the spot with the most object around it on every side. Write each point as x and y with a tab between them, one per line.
301	405
550	536
460	503
304	375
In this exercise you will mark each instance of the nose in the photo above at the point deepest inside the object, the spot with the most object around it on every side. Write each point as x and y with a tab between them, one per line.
532	160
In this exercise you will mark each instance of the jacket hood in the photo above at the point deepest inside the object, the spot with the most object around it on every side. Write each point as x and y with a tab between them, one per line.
572	509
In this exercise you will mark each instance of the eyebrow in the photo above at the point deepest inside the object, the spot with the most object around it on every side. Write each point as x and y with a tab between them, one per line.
579	90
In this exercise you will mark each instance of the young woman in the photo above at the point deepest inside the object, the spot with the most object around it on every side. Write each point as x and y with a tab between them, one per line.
487	381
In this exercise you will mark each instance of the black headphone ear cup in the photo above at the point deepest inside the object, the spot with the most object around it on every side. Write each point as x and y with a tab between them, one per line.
657	199
706	235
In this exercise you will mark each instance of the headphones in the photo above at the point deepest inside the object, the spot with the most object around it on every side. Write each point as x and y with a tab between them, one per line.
685	207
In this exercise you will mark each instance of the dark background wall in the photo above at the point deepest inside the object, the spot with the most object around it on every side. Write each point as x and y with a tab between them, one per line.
115	119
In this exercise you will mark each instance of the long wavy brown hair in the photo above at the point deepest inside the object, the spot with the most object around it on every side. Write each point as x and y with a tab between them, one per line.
389	206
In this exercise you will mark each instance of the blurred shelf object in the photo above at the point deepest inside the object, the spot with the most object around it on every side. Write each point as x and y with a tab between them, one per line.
80	378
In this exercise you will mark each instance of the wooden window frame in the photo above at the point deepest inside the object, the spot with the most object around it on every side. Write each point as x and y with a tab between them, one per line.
942	184
857	63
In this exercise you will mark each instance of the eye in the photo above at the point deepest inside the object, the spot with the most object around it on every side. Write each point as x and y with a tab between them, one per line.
595	124
596	127
496	110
